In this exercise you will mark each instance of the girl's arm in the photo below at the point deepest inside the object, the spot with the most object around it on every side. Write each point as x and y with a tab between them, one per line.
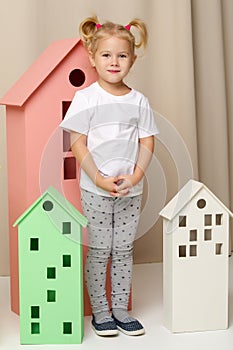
146	149
85	160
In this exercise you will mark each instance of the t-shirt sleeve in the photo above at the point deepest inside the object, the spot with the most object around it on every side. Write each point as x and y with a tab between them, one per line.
77	117
146	123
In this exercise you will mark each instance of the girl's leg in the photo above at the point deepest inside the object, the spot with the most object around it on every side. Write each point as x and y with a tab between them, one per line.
98	211
126	218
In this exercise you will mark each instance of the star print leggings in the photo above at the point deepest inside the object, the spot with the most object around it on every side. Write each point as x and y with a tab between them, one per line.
112	226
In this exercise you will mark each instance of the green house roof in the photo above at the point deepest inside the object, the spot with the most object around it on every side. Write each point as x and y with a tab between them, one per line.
57	197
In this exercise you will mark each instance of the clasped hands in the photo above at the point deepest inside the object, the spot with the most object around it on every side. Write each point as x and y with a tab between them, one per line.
117	186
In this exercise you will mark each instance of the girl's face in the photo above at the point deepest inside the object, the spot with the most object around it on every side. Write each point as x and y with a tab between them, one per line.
112	60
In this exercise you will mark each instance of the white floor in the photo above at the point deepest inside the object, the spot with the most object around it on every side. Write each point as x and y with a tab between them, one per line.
147	306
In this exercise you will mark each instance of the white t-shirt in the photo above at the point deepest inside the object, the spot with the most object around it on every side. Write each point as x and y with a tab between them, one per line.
113	125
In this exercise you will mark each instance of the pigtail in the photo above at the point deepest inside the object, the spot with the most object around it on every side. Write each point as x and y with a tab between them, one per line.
91	31
142	30
87	30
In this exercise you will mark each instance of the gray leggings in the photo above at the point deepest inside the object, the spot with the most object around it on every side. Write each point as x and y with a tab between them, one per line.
112	226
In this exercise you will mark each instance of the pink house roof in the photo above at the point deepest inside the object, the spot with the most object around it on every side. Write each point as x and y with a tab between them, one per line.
19	93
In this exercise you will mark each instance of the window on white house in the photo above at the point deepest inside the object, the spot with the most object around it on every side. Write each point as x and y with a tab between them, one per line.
182	251
193	235
201	203
219	248
207	235
218	219
193	250
208	220
182	221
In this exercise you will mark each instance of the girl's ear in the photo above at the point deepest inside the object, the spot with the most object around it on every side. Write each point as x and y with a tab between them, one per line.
133	59
91	58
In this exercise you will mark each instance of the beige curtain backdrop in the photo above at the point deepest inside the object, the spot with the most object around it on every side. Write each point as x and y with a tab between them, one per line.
186	73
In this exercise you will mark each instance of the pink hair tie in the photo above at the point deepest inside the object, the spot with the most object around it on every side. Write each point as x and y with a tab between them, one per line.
128	27
98	25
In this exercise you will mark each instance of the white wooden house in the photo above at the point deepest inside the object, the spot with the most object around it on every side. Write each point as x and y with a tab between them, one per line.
195	260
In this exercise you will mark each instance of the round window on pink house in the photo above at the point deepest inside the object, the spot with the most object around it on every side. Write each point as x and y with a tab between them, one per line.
77	77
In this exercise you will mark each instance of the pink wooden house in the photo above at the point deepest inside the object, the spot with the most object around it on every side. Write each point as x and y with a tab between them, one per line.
38	151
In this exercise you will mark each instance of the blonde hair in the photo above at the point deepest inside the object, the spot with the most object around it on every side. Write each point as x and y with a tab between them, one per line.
90	34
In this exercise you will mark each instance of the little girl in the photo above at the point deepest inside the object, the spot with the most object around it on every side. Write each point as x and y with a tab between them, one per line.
112	135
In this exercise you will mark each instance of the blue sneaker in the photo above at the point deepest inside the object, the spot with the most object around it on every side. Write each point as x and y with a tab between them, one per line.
130	328
105	328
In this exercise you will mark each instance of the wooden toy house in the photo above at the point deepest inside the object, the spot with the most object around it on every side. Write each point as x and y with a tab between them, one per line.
195	260
50	271
38	151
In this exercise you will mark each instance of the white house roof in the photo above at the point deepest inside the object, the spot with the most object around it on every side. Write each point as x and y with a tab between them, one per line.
184	196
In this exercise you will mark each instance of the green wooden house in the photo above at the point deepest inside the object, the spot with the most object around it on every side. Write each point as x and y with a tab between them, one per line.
50	271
